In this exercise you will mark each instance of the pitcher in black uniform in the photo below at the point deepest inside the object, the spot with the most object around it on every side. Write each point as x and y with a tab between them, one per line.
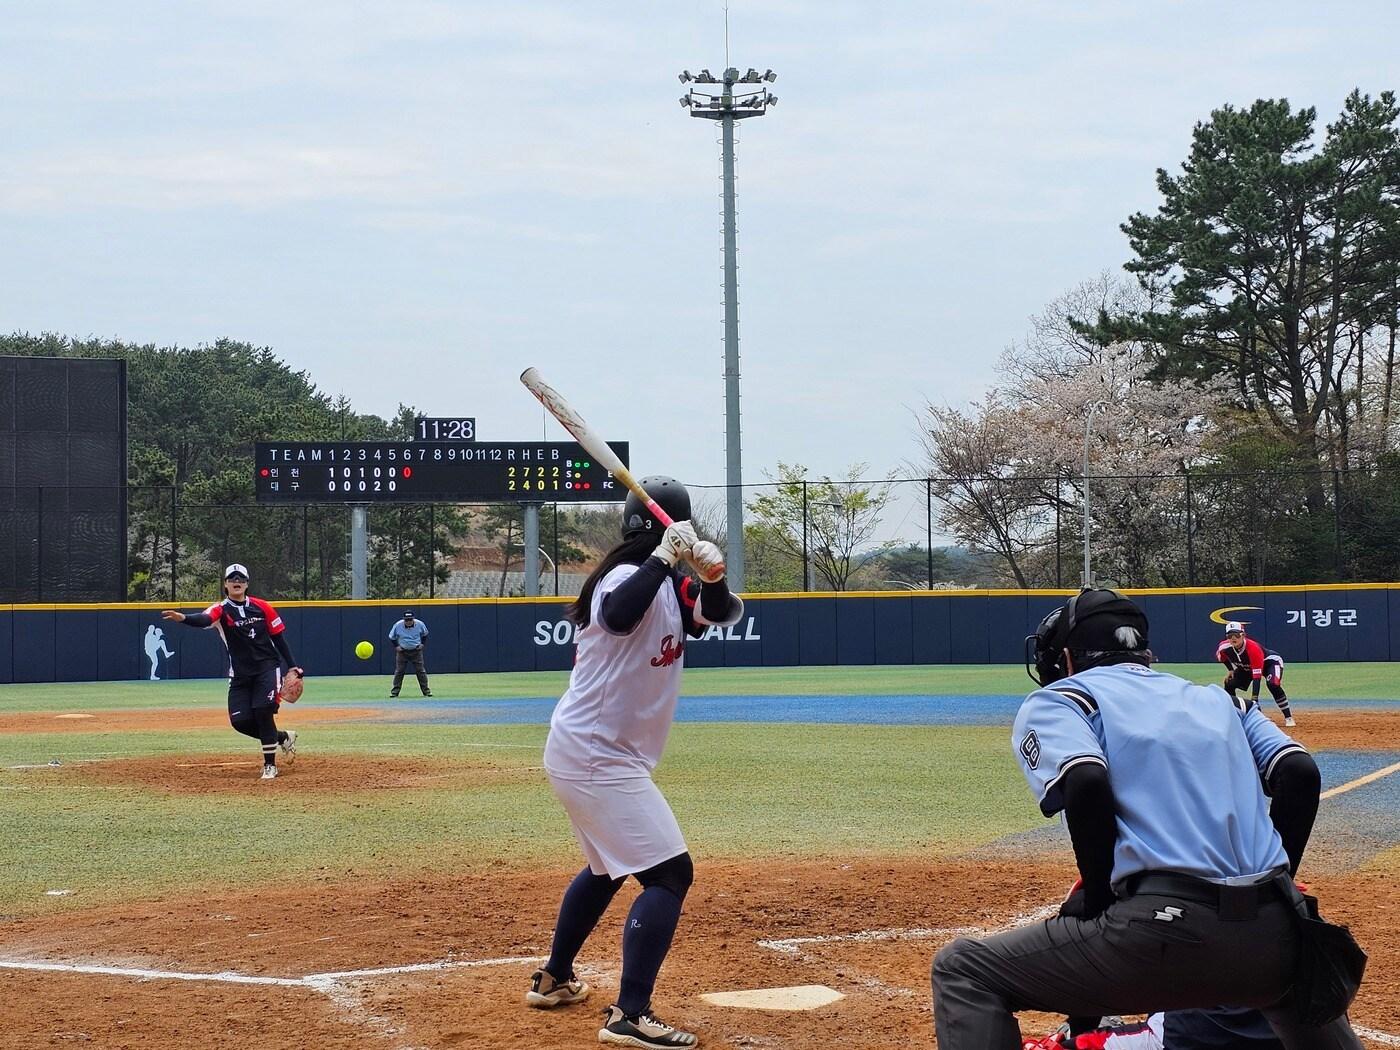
257	648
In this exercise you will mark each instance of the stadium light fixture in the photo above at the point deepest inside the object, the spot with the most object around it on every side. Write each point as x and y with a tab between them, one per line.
727	108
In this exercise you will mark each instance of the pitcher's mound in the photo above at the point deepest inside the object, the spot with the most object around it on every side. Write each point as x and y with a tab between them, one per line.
199	774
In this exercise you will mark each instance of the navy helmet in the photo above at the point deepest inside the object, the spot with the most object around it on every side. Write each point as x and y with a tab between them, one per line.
669	494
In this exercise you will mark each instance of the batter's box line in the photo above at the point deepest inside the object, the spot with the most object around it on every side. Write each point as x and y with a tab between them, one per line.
1373	1036
794	945
315	981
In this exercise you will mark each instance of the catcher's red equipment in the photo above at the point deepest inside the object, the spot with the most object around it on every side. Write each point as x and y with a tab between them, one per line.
1054	1041
292	686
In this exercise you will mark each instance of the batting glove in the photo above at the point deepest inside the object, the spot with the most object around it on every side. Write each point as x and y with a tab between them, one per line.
676	542
708	560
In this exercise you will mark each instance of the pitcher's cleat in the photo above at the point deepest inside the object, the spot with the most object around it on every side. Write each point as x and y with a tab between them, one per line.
269	773
289	746
546	993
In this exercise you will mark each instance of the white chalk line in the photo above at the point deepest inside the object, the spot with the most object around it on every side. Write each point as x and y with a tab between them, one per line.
1360	781
1384	1038
316	981
441	964
225	977
329	983
793	945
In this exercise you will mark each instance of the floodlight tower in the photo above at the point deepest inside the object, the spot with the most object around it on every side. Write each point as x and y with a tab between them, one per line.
726	107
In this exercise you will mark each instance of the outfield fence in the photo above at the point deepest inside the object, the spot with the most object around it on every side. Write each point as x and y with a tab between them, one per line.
814	535
1329	622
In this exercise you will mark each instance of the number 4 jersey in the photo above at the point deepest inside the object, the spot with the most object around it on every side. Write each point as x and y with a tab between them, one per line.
247	629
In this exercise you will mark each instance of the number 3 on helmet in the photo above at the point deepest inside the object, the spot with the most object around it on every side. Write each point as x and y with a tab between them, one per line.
670	495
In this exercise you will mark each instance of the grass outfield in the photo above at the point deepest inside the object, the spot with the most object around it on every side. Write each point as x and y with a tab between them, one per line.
739	790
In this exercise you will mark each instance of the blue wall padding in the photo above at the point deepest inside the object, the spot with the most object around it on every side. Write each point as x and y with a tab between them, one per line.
930	621
107	643
816	632
894	630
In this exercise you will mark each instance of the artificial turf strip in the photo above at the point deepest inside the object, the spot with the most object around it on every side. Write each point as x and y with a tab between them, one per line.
1307	682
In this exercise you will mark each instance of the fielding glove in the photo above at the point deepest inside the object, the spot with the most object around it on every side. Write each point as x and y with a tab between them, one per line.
292	686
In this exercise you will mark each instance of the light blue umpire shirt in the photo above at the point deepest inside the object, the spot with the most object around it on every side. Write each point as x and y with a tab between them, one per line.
409	638
1184	761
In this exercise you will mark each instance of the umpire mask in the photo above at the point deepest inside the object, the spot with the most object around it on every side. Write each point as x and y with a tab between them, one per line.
1096	619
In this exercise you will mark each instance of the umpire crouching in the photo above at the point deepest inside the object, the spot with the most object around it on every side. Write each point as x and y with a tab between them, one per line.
1188	897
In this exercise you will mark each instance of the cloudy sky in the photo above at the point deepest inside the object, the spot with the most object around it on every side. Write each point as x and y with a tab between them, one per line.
414	200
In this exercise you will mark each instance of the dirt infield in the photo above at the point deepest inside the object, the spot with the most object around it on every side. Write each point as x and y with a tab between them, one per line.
877	924
165	719
282	964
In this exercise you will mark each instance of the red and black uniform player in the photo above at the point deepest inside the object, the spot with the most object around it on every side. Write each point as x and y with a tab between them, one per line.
257	648
1247	663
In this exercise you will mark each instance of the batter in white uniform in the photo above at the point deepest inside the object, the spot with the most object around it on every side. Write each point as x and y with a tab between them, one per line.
607	734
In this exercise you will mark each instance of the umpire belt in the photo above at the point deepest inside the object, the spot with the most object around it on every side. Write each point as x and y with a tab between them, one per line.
1232	903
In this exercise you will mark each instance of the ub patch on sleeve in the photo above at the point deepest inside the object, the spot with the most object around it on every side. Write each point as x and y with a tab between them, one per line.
1030	749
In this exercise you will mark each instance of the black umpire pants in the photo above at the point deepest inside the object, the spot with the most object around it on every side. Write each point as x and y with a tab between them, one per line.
1150	951
404	657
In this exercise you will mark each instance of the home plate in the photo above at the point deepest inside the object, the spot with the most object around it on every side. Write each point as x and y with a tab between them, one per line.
799	997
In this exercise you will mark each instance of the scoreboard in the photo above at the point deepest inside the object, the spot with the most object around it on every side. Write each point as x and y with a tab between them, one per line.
431	471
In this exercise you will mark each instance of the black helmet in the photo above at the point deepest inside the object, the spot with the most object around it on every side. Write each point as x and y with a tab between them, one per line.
1094	620
669	494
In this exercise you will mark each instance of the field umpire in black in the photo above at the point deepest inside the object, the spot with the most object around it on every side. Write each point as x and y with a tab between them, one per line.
1188	897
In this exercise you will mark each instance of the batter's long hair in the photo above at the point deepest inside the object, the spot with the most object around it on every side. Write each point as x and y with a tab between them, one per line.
631	551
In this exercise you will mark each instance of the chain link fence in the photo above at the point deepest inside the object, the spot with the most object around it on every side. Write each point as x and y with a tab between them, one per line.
1179	530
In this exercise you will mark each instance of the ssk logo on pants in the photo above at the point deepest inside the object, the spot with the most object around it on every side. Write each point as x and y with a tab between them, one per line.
670	652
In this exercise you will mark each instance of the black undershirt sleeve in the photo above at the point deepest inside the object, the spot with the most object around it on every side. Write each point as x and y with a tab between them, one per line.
1093	829
197	620
280	641
624	606
715	601
1296	786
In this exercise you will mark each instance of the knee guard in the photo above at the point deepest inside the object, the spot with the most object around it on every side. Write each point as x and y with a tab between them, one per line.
675	875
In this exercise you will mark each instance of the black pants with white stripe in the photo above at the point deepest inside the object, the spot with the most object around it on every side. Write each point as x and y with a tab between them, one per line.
252	709
1146	953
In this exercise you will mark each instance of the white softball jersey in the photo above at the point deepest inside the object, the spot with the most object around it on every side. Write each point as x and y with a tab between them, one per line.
609	730
613	720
